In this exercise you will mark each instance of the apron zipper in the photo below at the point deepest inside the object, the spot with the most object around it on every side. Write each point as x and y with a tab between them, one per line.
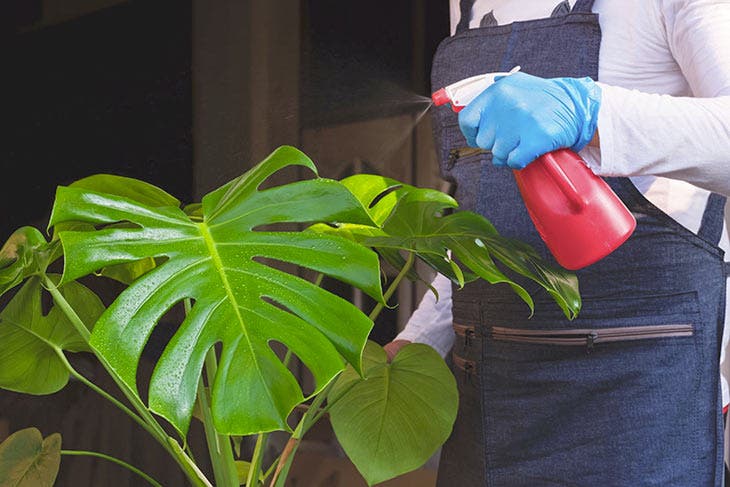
590	337
590	341
463	153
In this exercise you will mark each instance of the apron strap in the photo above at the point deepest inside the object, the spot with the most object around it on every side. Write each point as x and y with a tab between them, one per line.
583	6
713	219
465	7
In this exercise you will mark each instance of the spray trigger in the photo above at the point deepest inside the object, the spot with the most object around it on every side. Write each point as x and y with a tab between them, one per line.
462	92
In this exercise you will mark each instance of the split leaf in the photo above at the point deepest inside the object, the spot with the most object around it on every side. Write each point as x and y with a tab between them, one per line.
222	262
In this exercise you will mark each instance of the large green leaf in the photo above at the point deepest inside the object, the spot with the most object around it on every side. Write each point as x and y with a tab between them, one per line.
417	224
30	341
393	420
238	300
25	253
135	189
140	191
28	460
418	220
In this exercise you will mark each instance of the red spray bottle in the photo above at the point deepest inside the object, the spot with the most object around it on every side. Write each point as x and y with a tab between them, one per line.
578	216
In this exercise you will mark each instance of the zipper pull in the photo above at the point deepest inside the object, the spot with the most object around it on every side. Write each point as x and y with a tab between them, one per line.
451	161
590	341
468	336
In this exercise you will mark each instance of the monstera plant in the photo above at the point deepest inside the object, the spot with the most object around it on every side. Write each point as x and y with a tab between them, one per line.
228	262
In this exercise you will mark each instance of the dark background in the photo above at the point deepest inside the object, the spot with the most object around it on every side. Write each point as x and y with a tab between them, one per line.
113	90
106	93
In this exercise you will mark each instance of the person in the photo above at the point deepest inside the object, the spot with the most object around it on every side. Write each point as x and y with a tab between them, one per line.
641	90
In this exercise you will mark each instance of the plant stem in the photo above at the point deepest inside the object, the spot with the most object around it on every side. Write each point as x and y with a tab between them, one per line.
211	437
114	460
224	448
329	405
191	470
70	313
314	409
271	468
256	460
195	476
393	286
189	451
287	457
287	357
285	460
103	393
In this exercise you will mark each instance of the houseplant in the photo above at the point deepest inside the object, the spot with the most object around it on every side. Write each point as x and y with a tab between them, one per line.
220	258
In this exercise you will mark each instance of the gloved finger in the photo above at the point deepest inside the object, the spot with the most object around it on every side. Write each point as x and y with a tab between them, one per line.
486	134
502	148
498	162
525	152
470	117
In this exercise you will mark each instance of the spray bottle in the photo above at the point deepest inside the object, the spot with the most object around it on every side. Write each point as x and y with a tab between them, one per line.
578	216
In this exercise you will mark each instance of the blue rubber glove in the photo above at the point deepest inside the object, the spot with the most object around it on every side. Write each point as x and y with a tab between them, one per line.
521	117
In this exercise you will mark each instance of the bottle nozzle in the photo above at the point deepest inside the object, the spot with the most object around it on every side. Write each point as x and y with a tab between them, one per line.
440	97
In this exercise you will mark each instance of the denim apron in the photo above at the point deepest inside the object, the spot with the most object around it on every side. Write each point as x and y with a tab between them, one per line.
627	394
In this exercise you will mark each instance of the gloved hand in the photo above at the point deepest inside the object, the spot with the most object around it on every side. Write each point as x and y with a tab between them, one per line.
521	117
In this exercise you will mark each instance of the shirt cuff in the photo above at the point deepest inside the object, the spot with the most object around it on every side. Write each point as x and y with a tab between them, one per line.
602	161
417	336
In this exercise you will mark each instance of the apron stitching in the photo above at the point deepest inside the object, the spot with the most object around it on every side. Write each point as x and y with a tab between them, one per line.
637	202
712	218
583	6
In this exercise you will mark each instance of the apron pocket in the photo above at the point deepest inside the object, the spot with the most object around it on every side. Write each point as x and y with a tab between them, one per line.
626	393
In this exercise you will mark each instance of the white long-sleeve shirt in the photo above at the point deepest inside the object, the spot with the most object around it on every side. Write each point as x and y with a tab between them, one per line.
664	121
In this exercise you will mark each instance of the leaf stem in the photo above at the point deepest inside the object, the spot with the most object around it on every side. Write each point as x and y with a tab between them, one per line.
329	405
271	468
211	436
158	433
113	460
287	457
70	313
103	393
224	448
257	460
191	470
393	286
314	412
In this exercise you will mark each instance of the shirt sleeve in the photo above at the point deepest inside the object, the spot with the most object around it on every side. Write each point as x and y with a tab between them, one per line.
685	138
431	322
